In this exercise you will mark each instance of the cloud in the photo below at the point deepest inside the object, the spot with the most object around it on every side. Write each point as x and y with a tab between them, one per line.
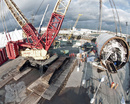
89	9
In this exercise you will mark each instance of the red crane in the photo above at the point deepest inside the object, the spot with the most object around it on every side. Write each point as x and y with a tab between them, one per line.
34	40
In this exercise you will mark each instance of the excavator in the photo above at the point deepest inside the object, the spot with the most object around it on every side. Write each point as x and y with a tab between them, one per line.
35	45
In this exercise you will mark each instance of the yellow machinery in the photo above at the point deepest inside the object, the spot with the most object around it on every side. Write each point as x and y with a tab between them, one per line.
74	26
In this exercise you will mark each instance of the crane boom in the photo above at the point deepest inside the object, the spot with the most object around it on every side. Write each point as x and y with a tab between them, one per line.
55	22
20	18
27	27
53	27
71	34
77	20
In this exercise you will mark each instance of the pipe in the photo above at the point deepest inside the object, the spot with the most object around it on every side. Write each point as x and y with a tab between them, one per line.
112	50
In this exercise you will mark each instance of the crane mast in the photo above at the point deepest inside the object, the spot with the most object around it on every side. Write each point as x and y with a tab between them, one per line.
53	27
77	20
71	34
55	22
20	18
27	27
38	44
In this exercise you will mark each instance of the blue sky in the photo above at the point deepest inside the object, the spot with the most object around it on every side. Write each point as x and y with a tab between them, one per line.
89	9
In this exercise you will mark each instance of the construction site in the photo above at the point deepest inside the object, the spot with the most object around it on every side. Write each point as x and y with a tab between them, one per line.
57	67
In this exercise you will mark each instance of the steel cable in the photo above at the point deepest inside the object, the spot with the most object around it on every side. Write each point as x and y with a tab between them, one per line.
113	15
117	16
38	9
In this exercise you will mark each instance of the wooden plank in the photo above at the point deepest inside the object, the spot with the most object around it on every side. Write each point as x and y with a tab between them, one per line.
38	86
61	81
5	81
58	73
50	71
50	60
41	84
10	76
21	74
22	64
31	99
13	73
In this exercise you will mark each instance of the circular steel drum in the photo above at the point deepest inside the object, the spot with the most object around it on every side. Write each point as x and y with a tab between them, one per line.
112	49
